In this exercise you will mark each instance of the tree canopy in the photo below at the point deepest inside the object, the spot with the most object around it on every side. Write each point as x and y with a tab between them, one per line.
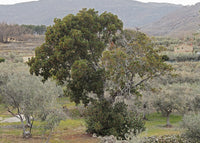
72	51
131	61
90	53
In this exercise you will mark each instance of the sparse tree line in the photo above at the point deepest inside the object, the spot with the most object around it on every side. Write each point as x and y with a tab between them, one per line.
9	32
101	66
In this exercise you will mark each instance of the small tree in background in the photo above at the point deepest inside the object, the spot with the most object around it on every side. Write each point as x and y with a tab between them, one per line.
169	101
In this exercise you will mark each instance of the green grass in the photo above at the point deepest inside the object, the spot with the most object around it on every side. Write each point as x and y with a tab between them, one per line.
71	124
155	126
65	102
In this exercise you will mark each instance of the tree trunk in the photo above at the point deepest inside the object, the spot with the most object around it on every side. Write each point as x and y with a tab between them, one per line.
168	121
26	134
28	127
49	136
1	38
23	126
145	111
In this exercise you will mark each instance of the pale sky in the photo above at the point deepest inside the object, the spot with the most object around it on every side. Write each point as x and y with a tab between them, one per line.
183	2
14	1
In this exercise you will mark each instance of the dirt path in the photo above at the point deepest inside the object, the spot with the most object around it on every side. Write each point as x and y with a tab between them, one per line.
10	119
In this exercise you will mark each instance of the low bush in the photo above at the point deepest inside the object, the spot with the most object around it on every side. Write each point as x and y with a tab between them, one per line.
165	58
2	60
192	125
102	118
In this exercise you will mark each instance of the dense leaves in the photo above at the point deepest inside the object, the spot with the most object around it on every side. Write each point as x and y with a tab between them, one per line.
72	51
105	119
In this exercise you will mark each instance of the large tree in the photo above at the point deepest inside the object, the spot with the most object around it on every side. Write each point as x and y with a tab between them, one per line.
72	51
98	61
88	54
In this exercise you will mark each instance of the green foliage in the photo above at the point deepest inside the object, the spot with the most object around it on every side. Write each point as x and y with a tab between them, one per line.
2	60
131	61
192	125
105	119
25	95
74	45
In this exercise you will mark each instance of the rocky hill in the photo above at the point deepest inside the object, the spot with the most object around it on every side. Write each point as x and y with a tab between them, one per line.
181	22
133	13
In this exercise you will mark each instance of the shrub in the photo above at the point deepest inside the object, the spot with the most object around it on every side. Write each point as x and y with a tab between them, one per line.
192	125
165	58
104	119
2	60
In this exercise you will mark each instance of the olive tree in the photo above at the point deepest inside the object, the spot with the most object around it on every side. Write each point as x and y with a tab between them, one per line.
169	100
27	99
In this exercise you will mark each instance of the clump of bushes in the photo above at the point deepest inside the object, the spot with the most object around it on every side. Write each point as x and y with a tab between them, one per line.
2	60
103	118
192	125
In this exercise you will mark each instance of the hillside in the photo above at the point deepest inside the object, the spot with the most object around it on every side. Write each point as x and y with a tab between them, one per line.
181	22
133	13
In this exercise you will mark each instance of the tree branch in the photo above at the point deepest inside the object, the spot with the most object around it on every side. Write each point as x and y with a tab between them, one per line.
13	113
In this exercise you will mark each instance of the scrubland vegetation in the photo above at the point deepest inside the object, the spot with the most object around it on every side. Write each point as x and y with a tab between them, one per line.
96	79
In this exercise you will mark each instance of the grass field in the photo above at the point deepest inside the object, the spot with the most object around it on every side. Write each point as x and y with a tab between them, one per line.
155	125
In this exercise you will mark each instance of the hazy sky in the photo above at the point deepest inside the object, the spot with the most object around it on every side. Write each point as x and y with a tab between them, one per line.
183	2
14	1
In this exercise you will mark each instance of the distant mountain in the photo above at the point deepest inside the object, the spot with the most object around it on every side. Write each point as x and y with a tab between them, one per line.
183	21
133	13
